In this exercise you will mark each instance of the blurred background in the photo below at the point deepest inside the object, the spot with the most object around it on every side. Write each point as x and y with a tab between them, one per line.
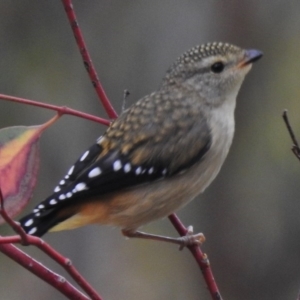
249	215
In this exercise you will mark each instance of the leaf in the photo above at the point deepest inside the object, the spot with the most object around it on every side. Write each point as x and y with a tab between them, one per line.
19	164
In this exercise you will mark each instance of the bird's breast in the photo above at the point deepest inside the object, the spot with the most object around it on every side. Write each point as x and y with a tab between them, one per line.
142	204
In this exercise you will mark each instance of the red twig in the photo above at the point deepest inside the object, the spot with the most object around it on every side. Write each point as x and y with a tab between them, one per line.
14	225
62	110
201	258
87	59
66	263
55	280
61	260
295	147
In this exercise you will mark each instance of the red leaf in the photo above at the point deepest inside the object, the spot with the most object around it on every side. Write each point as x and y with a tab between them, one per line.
19	164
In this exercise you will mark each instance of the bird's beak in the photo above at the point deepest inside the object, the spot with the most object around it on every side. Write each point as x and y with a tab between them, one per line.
251	56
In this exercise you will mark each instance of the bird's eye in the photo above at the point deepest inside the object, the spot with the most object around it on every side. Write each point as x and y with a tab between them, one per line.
217	67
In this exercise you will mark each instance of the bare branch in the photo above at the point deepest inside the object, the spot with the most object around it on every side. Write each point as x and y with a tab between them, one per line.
125	96
201	258
62	110
295	147
55	280
22	258
87	59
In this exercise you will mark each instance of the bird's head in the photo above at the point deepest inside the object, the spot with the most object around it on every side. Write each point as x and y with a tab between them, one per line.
215	70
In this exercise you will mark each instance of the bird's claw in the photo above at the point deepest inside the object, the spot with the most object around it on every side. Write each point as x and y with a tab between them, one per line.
191	239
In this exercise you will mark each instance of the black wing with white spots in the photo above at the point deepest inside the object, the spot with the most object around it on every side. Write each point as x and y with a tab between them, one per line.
41	219
87	158
154	139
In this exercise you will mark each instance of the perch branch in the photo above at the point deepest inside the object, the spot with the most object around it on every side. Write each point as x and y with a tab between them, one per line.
201	259
38	269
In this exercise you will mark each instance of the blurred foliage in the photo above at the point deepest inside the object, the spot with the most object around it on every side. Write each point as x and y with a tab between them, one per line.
250	214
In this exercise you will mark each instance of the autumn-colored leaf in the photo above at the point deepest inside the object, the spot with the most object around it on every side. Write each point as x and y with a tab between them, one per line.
19	164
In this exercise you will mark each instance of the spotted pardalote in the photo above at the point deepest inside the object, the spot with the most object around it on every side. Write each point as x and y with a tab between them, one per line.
158	154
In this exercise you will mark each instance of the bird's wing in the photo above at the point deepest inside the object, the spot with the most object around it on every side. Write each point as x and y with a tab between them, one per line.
146	143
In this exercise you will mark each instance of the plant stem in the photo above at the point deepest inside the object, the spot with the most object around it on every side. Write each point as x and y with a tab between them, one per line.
87	59
62	110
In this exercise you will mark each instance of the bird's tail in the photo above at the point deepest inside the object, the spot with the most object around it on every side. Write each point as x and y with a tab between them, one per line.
39	223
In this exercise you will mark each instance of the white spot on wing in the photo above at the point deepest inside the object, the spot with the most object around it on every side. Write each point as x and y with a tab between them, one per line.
95	172
57	189
127	168
164	172
62	182
41	206
80	186
117	165
84	156
36	210
69	195
71	170
151	170
138	171
52	202
32	230
28	223
62	197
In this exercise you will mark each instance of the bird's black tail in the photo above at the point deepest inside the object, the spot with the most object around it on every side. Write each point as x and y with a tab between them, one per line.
39	223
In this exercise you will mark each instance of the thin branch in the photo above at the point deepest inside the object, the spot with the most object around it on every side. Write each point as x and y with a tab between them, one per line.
57	257
26	239
295	148
14	225
33	266
87	59
125	96
62	110
201	258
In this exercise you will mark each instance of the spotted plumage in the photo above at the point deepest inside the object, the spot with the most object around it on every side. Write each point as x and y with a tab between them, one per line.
137	156
155	156
186	64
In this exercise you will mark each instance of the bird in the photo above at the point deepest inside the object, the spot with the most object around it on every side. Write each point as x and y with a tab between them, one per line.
159	154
